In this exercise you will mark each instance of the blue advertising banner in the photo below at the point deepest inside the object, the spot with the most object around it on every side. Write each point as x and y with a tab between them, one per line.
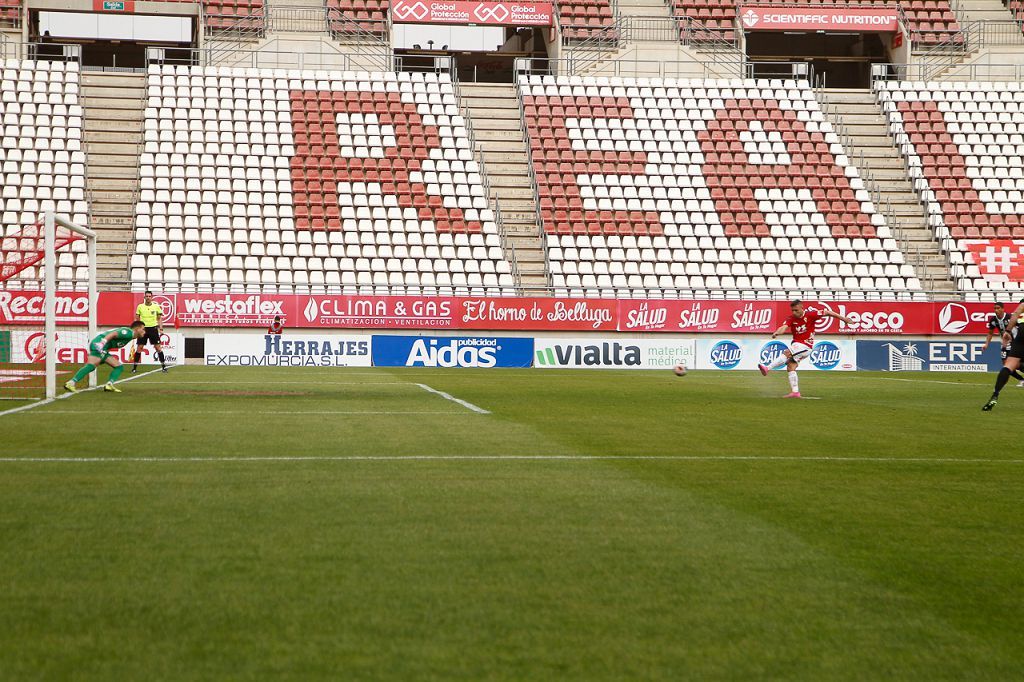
898	355
451	351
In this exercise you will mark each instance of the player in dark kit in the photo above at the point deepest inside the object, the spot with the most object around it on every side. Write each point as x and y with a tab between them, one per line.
151	314
1014	356
998	323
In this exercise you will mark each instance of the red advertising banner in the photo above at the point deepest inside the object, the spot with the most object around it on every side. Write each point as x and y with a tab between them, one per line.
729	317
817	18
231	310
876	317
538	314
25	308
965	318
374	312
466	12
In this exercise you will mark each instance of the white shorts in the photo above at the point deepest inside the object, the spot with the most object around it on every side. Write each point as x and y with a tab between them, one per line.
799	350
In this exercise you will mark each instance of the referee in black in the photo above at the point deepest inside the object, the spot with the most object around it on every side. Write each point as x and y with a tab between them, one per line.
151	315
1014	356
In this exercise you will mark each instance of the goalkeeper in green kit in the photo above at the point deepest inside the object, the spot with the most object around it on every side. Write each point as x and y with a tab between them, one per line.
100	351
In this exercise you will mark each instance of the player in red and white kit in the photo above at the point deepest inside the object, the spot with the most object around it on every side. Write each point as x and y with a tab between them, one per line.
801	324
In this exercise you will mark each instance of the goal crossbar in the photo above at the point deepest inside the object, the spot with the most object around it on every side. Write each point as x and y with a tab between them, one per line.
50	222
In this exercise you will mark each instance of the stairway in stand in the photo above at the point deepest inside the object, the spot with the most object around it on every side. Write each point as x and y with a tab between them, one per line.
112	138
857	112
493	111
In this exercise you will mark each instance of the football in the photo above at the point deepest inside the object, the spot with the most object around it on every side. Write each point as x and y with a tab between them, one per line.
680	370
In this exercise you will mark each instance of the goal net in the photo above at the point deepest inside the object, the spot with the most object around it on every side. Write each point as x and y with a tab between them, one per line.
47	306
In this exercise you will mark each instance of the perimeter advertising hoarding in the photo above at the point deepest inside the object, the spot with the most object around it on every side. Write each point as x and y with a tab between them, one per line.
719	317
746	353
614	353
451	351
72	348
900	355
291	350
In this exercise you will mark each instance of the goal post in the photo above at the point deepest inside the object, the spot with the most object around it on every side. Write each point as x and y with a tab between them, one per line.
48	302
50	223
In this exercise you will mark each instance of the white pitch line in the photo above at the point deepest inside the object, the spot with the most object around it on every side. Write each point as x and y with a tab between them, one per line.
64	396
446	396
286	383
266	412
533	458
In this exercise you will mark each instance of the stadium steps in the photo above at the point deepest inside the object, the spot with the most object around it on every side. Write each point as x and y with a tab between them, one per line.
493	111
112	137
643	8
871	148
985	10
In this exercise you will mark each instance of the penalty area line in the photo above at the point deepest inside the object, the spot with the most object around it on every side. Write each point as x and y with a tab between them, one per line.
525	458
64	396
447	396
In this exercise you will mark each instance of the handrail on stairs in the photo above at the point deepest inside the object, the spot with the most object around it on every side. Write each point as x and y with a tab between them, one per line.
507	244
882	205
916	178
533	182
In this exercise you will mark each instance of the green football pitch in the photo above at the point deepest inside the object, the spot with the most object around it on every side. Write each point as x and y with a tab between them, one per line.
413	524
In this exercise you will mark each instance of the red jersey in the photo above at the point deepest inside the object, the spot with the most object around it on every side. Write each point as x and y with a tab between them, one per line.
276	328
803	327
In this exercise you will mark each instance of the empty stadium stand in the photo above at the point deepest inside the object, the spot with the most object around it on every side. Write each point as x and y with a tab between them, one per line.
583	19
10	13
369	15
41	159
322	181
678	188
221	14
964	147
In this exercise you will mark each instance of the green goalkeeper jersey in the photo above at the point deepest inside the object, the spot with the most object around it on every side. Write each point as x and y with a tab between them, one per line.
123	338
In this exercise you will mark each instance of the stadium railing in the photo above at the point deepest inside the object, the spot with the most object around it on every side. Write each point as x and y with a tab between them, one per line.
346	29
633	67
971	71
591	53
54	52
972	36
882	205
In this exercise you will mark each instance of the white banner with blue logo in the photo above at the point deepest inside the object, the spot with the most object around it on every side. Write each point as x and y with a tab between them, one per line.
838	355
291	349
619	352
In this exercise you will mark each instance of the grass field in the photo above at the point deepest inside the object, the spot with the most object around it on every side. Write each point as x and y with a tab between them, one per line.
577	525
